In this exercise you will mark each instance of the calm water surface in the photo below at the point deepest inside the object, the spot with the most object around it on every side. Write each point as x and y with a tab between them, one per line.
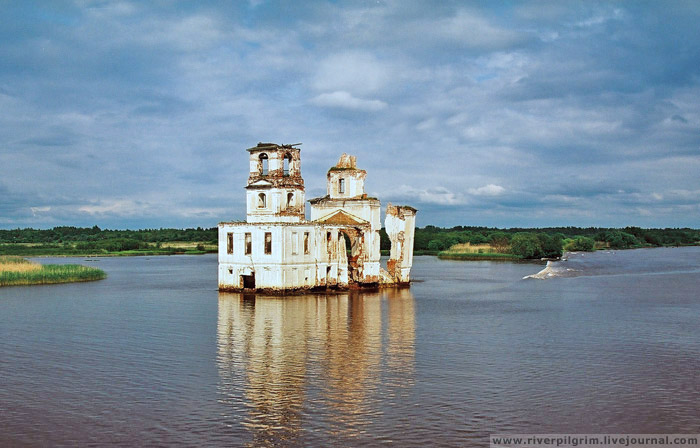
154	355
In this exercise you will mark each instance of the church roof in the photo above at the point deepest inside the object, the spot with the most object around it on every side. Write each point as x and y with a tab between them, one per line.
343	218
273	146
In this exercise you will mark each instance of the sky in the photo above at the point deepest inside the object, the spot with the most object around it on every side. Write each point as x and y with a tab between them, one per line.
503	114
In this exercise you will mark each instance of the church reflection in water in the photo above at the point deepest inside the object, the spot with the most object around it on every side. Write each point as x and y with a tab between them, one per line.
324	363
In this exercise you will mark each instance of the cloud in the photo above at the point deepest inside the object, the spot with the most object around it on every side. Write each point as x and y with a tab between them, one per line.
122	207
345	100
419	27
133	113
469	29
614	14
487	190
433	195
356	72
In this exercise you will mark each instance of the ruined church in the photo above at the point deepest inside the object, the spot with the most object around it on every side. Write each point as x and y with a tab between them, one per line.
277	249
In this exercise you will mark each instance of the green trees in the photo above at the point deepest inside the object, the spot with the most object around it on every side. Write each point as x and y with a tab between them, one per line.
536	245
436	245
429	239
525	245
500	241
580	243
93	234
618	239
552	245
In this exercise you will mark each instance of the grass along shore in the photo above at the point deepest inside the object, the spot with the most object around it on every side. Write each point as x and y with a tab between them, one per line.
490	256
18	271
467	251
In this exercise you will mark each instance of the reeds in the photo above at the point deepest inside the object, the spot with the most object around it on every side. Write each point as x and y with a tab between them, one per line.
467	248
16	271
468	251
490	256
17	264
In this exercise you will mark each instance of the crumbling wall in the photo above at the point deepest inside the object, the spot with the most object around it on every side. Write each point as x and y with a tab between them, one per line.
347	161
400	224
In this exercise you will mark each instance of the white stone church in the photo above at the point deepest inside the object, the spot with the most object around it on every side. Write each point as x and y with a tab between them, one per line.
277	249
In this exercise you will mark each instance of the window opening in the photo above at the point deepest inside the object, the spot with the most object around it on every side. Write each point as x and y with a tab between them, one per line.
248	244
268	243
263	164
287	163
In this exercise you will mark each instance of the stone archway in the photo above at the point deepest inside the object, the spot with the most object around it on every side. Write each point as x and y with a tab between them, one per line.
355	259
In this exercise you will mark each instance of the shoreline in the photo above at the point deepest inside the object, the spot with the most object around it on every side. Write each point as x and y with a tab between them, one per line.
458	256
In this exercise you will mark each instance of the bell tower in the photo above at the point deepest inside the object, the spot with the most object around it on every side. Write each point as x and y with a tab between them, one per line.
345	181
275	190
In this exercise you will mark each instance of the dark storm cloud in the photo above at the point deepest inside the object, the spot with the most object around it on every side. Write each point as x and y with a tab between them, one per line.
542	113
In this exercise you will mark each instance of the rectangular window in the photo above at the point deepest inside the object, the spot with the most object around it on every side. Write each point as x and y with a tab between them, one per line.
248	244
306	242
328	241
341	186
229	243
268	243
295	243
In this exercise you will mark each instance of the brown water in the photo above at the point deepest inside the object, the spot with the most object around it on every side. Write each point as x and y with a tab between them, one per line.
154	355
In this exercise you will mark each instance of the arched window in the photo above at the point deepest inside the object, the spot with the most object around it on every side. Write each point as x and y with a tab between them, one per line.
290	199
263	164
262	200
287	164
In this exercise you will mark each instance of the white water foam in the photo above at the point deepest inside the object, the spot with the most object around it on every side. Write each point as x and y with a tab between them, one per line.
556	268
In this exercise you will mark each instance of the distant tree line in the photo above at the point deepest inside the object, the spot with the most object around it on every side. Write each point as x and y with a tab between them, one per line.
522	242
94	234
68	240
549	241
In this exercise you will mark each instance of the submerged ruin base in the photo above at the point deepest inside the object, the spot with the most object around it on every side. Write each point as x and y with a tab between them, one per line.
317	289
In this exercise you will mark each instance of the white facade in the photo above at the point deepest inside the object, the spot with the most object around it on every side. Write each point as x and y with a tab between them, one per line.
276	249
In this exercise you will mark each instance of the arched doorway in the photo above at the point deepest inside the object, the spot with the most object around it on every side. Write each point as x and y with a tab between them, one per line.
353	239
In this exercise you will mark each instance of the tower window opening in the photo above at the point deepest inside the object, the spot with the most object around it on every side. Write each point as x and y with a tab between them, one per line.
290	199
341	186
287	164
262	200
263	164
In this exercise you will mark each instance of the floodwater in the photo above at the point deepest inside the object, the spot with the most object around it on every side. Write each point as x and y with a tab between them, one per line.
155	355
